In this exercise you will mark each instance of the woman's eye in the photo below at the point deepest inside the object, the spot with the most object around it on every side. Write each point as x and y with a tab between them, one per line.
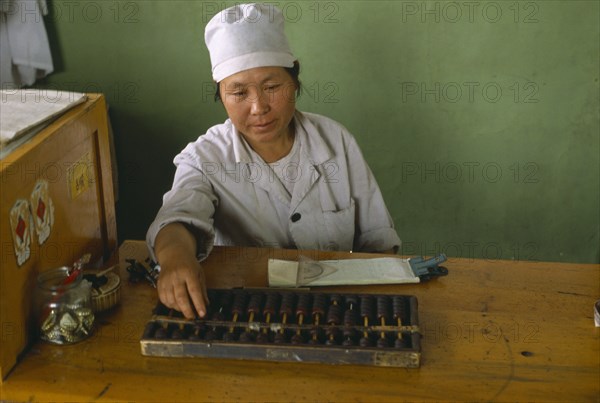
238	94
272	87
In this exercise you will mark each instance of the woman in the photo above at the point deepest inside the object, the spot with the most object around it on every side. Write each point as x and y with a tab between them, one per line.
270	175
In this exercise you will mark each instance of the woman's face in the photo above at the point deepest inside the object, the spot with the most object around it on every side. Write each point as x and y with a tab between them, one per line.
261	103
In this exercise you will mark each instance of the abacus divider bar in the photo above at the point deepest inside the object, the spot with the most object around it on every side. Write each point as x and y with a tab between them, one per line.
166	320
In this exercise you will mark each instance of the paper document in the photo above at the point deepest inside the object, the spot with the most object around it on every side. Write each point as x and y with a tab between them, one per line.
24	109
385	270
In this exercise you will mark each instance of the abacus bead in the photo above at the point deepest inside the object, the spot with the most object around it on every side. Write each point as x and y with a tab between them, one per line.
161	333
229	336
314	336
239	302
297	339
271	304
398	306
382	307
350	317
334	314
177	334
347	342
319	303
255	303
287	304
195	335
279	338
303	303
366	307
332	335
148	331
399	343
262	338
364	342
382	342
246	337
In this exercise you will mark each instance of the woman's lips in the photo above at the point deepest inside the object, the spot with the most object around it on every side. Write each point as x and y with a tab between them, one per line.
263	126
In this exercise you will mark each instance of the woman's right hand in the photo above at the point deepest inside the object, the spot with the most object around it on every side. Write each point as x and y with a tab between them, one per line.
181	283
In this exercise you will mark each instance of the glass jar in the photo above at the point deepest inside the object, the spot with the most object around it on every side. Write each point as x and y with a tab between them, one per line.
64	307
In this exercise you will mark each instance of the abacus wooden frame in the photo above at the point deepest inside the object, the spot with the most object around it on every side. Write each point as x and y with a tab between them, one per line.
408	357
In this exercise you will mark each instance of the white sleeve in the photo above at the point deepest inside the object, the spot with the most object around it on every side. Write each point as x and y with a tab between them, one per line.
191	201
374	225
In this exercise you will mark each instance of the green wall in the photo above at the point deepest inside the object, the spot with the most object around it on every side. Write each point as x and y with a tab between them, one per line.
479	119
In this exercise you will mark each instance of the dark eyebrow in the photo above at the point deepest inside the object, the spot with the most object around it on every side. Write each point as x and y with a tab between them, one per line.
268	78
236	85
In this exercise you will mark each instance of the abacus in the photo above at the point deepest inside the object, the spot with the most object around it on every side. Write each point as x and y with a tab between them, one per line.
299	326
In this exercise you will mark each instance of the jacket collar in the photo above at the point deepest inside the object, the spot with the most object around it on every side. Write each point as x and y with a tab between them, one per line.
314	151
312	145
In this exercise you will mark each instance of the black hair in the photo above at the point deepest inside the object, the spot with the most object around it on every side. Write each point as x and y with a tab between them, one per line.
293	71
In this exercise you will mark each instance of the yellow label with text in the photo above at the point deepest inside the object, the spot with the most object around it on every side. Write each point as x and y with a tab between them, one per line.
79	176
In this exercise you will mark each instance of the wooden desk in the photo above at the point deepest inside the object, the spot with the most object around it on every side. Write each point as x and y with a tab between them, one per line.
492	331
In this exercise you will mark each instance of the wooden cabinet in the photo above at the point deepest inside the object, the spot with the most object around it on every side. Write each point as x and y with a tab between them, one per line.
57	203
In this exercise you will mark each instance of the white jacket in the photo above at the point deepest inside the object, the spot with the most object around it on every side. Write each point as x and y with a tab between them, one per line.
227	195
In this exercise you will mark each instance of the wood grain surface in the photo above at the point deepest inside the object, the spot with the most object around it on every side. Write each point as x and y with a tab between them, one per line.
491	331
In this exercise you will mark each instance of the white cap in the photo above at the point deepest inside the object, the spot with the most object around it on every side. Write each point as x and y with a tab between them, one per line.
247	36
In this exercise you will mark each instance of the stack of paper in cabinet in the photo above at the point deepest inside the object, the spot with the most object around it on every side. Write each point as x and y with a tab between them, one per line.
24	111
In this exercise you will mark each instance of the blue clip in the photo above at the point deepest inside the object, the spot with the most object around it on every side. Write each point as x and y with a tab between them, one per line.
426	269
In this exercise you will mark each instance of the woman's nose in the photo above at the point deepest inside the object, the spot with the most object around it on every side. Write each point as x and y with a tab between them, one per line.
259	103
